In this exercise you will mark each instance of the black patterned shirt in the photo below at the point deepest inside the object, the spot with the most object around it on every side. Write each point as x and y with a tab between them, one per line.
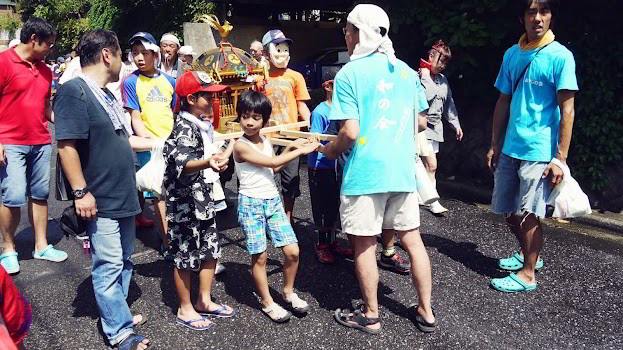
188	196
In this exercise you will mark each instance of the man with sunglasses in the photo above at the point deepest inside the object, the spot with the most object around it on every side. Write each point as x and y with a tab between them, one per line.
25	90
441	105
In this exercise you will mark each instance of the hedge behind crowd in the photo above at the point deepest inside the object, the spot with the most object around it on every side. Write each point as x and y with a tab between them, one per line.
479	31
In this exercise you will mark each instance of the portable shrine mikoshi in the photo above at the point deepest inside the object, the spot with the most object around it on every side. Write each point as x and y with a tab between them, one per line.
231	66
234	67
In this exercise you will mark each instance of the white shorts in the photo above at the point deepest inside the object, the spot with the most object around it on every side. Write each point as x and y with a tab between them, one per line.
368	215
434	145
425	148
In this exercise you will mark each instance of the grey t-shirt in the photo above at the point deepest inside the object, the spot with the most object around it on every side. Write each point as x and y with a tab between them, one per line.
105	153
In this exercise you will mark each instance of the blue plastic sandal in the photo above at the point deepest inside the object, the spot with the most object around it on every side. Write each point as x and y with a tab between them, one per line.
512	284
515	262
50	253
220	312
9	262
189	324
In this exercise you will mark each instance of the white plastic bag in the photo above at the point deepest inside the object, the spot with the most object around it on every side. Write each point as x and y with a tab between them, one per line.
150	176
426	190
567	198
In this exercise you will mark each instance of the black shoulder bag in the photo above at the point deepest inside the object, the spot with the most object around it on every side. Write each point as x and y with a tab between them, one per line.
71	224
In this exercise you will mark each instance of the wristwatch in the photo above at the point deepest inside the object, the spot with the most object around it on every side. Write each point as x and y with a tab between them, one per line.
80	192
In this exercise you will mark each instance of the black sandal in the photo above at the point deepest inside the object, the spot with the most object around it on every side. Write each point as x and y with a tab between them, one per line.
423	325
346	318
131	342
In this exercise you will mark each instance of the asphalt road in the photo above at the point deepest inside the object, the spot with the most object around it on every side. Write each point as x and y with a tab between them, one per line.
577	305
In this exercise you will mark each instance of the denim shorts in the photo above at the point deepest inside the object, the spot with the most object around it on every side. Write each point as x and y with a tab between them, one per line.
259	217
25	174
519	187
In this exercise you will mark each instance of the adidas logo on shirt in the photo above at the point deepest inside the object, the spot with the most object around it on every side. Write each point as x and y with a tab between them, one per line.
156	96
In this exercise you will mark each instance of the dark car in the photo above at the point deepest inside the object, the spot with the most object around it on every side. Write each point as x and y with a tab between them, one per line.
314	67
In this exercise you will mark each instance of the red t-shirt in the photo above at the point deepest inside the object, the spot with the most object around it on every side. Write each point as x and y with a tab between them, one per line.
25	90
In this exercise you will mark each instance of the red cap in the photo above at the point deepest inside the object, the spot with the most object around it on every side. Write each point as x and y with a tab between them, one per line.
191	82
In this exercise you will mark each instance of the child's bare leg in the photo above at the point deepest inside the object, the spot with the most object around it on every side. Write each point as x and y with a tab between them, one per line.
206	276
290	267
258	272
160	208
186	311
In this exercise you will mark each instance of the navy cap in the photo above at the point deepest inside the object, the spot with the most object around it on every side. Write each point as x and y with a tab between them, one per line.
143	36
275	36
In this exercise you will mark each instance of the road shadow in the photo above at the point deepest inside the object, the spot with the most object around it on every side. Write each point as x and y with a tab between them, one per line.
465	253
163	271
25	239
239	283
84	303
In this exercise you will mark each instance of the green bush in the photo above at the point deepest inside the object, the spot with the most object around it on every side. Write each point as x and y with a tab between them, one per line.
479	31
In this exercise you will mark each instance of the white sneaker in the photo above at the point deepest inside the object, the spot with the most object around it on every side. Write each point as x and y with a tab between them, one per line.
298	304
220	268
437	209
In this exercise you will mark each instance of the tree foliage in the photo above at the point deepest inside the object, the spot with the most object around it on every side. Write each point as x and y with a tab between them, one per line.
72	18
10	23
479	31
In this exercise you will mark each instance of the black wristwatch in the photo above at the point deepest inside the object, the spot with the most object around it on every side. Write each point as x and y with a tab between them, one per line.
81	192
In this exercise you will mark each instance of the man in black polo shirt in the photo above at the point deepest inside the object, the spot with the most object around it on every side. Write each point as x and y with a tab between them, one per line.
96	155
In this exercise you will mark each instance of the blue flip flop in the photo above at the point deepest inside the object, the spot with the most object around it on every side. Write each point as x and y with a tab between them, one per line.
512	284
515	262
189	324
220	312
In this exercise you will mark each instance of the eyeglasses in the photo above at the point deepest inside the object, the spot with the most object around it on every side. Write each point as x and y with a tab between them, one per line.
355	29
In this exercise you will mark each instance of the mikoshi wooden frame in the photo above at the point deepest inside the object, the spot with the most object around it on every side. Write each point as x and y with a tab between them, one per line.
282	135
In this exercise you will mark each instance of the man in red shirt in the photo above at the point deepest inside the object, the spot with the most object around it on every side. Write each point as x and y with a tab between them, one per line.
25	88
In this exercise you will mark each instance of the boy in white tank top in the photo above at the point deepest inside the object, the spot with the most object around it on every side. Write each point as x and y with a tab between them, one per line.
260	209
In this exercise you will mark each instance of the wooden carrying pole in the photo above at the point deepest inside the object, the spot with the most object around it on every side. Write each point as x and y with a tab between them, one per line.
304	135
263	131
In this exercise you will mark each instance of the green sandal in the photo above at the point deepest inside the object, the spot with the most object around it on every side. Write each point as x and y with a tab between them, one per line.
515	262
512	284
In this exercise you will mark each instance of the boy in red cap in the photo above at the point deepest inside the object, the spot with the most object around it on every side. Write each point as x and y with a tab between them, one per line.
193	238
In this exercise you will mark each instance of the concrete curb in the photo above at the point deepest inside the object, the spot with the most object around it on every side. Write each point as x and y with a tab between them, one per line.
481	194
602	222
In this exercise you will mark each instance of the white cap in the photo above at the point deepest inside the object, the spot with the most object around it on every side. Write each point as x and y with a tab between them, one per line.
170	38
14	42
186	50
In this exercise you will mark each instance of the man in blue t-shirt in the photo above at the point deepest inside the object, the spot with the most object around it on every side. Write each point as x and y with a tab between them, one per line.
377	97
530	144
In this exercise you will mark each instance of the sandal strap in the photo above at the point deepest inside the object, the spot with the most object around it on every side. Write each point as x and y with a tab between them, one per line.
517	255
275	311
296	301
518	280
364	320
7	255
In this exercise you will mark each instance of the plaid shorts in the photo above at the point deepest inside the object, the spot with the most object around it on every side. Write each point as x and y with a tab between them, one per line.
258	217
